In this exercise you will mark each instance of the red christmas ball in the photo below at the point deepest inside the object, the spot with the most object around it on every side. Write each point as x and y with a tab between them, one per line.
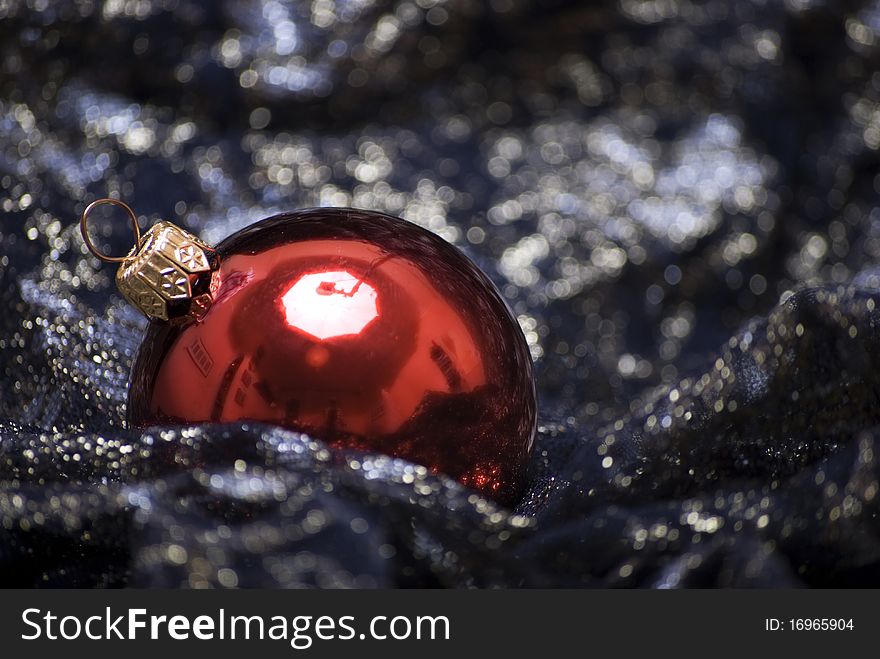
362	330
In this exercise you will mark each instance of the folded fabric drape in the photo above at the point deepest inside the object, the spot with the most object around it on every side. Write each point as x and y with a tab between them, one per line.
678	201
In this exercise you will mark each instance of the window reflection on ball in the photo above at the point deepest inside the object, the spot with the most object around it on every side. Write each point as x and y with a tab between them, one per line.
362	330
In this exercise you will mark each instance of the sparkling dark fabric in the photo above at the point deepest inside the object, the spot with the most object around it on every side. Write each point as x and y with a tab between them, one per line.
678	199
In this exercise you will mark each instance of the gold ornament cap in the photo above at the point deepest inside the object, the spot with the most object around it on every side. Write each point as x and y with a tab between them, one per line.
169	275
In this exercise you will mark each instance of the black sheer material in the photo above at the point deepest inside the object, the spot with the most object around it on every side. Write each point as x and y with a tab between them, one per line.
678	199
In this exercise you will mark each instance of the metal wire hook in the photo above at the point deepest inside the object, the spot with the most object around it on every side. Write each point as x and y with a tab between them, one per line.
83	226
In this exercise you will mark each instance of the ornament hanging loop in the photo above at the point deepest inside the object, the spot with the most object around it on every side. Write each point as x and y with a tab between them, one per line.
169	274
84	228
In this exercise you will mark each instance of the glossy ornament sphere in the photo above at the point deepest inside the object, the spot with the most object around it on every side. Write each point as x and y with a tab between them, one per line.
361	330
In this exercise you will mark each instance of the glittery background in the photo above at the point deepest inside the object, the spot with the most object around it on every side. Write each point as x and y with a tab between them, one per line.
677	197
